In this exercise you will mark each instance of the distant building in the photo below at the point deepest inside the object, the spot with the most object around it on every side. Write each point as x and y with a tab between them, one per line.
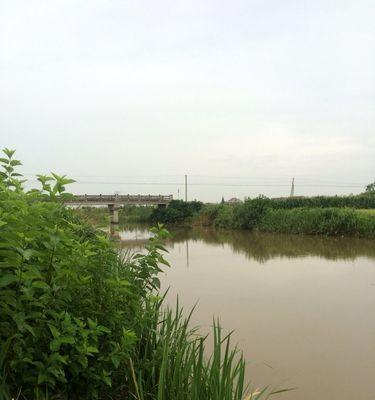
234	200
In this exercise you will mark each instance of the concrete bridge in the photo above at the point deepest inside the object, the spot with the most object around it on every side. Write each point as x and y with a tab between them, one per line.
115	201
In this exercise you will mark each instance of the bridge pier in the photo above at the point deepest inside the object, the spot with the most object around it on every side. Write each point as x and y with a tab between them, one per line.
113	213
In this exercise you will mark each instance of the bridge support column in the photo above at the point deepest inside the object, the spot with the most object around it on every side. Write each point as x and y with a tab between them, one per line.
113	213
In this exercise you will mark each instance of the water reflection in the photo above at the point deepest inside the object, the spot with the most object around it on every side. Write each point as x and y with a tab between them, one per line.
259	246
306	320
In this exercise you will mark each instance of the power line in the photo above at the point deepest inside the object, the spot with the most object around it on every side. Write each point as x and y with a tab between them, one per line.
212	184
316	182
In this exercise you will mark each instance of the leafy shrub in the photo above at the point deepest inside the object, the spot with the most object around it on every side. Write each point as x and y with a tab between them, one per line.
225	216
248	214
69	307
206	215
177	211
78	321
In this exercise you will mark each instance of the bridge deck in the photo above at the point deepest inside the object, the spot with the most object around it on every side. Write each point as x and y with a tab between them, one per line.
102	199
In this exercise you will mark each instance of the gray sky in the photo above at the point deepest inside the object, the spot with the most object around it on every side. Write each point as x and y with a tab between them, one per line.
231	93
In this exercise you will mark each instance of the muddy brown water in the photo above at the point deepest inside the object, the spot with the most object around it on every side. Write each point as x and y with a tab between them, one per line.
302	307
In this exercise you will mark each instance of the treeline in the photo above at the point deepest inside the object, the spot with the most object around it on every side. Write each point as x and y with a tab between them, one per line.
80	321
316	215
362	201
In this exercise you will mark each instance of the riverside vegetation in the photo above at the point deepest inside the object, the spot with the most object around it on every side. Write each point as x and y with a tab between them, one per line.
320	215
80	321
280	216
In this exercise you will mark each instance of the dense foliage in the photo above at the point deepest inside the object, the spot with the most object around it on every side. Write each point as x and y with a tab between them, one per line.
265	215
131	213
99	216
78	321
177	211
335	215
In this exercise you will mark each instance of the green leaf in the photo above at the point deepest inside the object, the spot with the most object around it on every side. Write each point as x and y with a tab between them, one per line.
116	359
9	153
19	319
54	331
44	178
40	285
14	163
29	328
58	357
7	279
107	379
92	349
27	254
67	339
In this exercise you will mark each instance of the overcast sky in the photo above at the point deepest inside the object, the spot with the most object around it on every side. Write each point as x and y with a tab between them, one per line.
232	93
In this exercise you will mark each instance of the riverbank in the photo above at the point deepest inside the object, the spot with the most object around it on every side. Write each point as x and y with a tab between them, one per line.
263	214
311	216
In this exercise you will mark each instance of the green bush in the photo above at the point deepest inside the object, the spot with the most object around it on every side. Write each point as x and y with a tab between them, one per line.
206	215
248	214
177	211
225	216
70	309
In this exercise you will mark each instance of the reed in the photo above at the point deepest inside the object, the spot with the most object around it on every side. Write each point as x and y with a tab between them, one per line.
172	362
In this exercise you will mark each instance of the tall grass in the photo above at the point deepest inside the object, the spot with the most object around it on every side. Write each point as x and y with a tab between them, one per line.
97	216
176	365
316	221
362	201
129	213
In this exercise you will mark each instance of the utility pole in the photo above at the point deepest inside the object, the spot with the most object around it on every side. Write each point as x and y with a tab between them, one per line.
185	187
292	189
178	194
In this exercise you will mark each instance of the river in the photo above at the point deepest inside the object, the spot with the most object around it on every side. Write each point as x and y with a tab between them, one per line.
302	307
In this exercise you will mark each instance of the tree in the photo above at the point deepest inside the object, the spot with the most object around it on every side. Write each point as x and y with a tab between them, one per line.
370	188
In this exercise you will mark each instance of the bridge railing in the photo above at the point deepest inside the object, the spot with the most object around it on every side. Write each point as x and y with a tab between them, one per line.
114	198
